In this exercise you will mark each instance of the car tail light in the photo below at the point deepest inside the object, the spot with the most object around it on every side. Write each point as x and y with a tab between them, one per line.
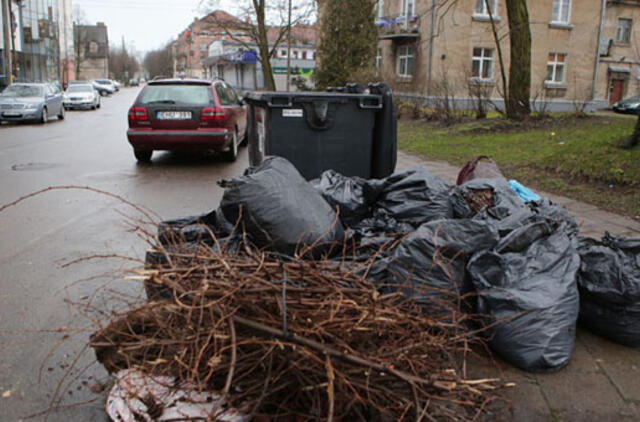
138	114
210	113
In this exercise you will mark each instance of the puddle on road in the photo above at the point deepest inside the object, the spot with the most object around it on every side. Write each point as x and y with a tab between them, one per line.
108	176
34	166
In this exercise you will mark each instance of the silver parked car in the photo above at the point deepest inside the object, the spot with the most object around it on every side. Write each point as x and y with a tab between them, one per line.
105	85
31	102
81	96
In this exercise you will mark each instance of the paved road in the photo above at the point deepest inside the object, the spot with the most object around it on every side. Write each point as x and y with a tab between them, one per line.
88	148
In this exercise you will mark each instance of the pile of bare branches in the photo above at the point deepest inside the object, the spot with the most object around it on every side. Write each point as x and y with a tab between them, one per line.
297	339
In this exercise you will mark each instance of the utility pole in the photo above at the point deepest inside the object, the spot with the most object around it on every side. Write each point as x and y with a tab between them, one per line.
6	31
289	49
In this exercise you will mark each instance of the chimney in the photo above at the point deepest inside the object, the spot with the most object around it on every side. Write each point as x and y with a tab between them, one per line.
100	24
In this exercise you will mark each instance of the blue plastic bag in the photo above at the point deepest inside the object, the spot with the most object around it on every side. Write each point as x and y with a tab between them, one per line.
526	194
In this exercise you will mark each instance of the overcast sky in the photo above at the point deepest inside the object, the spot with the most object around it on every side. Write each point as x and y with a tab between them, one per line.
145	24
149	24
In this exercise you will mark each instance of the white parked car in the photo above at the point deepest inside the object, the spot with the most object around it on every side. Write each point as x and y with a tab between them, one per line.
81	96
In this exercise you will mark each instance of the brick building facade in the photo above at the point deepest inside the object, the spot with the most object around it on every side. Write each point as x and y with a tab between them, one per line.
582	50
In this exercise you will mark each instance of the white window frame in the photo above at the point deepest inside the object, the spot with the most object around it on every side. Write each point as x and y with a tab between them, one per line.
618	28
484	60
408	7
378	58
405	55
558	19
483	11
555	64
380	9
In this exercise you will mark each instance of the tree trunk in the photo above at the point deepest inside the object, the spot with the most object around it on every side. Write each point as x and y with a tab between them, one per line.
518	106
635	138
263	46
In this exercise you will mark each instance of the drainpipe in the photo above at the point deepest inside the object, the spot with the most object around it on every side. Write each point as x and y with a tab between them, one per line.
430	53
596	67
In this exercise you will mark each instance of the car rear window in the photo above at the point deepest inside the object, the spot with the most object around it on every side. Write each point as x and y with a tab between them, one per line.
199	95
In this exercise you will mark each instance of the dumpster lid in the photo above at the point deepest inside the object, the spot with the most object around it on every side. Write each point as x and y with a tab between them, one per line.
267	96
274	99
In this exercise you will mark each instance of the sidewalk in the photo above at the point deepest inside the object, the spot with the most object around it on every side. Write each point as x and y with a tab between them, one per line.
602	382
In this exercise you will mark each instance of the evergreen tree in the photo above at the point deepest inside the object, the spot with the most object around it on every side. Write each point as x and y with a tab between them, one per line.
348	43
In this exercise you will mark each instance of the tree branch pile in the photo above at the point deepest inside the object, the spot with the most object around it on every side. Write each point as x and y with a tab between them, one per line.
290	338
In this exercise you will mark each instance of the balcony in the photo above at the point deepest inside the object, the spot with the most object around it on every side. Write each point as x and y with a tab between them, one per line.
398	27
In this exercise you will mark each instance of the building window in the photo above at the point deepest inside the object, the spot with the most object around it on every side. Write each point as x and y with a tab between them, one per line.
295	54
561	11
556	64
482	63
623	34
481	7
283	53
408	8
304	55
380	8
93	47
404	61
378	58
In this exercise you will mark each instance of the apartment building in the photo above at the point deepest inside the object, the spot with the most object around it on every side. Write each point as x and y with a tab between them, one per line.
582	50
238	64
91	45
191	48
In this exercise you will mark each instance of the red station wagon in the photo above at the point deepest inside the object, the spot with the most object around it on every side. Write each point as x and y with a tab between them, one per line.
187	114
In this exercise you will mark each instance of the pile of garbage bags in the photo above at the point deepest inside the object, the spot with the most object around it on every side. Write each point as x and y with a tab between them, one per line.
483	246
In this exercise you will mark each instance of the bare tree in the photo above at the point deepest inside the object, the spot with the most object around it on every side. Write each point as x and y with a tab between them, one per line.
262	25
159	62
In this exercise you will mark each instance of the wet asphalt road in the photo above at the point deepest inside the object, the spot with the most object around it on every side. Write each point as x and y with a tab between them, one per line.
41	234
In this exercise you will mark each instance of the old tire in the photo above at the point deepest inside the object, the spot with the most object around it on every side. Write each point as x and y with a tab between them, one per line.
144	156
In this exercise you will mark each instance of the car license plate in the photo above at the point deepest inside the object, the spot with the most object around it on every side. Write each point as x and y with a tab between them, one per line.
174	115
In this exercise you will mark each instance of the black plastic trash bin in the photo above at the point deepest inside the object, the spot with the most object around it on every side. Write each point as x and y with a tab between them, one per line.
351	133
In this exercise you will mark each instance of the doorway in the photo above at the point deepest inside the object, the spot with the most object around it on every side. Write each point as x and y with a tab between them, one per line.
616	90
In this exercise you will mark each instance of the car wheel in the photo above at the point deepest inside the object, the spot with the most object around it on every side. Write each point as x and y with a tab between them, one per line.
103	93
98	106
43	117
61	115
143	156
232	153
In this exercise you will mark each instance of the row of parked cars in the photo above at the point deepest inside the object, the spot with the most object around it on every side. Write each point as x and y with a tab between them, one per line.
39	102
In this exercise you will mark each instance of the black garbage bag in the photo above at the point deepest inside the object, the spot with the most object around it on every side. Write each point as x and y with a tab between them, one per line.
414	196
492	200
492	195
204	228
381	224
279	209
555	213
609	284
345	193
429	264
528	292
